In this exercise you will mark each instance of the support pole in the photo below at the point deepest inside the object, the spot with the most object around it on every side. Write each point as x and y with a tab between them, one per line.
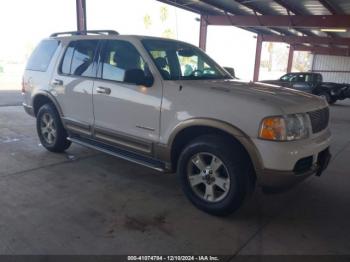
203	33
257	58
290	59
81	15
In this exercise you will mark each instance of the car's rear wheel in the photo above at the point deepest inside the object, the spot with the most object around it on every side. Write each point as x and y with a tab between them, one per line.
212	175
50	130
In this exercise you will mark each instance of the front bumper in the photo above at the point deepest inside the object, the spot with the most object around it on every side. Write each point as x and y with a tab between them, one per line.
283	179
346	92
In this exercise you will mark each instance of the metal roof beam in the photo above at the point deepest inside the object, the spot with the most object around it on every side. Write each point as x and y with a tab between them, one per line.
298	21
179	5
323	50
259	10
307	39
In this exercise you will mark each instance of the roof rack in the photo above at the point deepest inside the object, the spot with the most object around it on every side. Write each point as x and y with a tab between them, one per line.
94	32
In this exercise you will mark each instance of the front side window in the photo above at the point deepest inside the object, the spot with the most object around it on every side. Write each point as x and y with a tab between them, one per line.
181	61
120	57
78	59
42	55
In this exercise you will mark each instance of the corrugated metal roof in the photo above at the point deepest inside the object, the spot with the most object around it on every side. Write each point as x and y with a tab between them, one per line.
270	7
309	7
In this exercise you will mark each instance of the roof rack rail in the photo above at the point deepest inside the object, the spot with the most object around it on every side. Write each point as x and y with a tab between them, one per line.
95	32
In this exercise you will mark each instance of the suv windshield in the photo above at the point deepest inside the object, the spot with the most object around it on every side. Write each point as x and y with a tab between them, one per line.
180	61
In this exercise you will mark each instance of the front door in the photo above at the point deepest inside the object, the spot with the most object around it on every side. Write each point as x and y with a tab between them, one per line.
126	114
300	82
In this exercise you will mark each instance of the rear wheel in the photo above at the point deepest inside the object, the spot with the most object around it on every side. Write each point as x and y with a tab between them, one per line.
50	130
212	175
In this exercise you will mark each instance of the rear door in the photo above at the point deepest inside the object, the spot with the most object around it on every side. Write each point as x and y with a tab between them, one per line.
301	82
73	84
126	114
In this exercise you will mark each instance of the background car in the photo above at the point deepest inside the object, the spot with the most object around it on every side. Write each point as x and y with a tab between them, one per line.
313	83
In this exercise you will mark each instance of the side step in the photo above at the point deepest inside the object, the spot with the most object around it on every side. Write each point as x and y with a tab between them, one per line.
120	153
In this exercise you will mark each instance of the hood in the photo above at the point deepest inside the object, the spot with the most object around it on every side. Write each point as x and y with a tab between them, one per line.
270	81
288	100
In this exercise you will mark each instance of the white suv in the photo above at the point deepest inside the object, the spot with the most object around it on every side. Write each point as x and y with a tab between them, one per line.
166	105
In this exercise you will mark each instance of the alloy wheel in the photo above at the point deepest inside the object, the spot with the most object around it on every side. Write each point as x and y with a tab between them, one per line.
208	177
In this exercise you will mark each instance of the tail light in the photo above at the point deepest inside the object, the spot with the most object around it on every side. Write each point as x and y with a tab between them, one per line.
23	86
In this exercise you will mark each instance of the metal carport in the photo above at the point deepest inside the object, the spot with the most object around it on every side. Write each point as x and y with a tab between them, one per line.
307	25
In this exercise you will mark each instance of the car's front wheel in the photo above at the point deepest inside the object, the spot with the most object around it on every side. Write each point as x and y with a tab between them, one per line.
327	97
212	175
50	130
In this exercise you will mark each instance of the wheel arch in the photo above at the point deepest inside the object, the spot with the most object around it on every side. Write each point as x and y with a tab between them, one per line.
188	130
42	98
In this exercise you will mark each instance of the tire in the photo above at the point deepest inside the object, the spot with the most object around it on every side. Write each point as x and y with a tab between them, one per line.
326	96
233	172
50	130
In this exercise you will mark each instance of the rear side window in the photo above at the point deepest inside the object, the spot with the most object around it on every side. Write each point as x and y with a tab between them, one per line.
78	59
42	55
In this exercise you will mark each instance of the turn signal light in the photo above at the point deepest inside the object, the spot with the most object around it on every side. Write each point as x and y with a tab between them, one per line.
272	128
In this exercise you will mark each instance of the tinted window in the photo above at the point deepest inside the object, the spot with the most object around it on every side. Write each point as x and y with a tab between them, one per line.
42	55
79	58
309	78
286	77
118	57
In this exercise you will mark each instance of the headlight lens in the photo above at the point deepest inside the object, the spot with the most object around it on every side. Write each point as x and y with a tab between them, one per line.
285	128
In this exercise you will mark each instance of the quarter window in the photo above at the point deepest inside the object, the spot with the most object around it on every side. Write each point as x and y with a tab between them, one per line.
42	55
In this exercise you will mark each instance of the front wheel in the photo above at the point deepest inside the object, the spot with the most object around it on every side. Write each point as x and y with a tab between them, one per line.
212	175
50	130
327	97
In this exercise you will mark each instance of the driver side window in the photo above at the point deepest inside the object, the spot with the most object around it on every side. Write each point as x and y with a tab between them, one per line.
191	65
286	78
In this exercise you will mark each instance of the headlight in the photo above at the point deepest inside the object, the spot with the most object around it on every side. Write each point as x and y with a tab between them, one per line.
285	128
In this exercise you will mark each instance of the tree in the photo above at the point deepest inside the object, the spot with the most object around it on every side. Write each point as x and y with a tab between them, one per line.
163	17
168	33
147	21
163	14
270	50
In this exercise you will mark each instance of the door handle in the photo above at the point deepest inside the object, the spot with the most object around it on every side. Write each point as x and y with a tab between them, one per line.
57	82
103	90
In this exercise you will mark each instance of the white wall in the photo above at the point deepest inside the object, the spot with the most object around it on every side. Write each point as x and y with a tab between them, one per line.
325	64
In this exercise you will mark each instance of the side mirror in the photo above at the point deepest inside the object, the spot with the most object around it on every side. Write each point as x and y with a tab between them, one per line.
231	71
138	77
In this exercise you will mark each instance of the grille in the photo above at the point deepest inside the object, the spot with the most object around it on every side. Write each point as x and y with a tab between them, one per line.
319	119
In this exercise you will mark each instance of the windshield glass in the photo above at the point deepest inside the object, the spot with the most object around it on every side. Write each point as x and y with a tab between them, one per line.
180	61
287	77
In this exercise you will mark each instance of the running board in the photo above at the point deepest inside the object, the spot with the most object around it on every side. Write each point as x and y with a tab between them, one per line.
120	153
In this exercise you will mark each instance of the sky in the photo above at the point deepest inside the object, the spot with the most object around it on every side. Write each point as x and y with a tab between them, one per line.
32	20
